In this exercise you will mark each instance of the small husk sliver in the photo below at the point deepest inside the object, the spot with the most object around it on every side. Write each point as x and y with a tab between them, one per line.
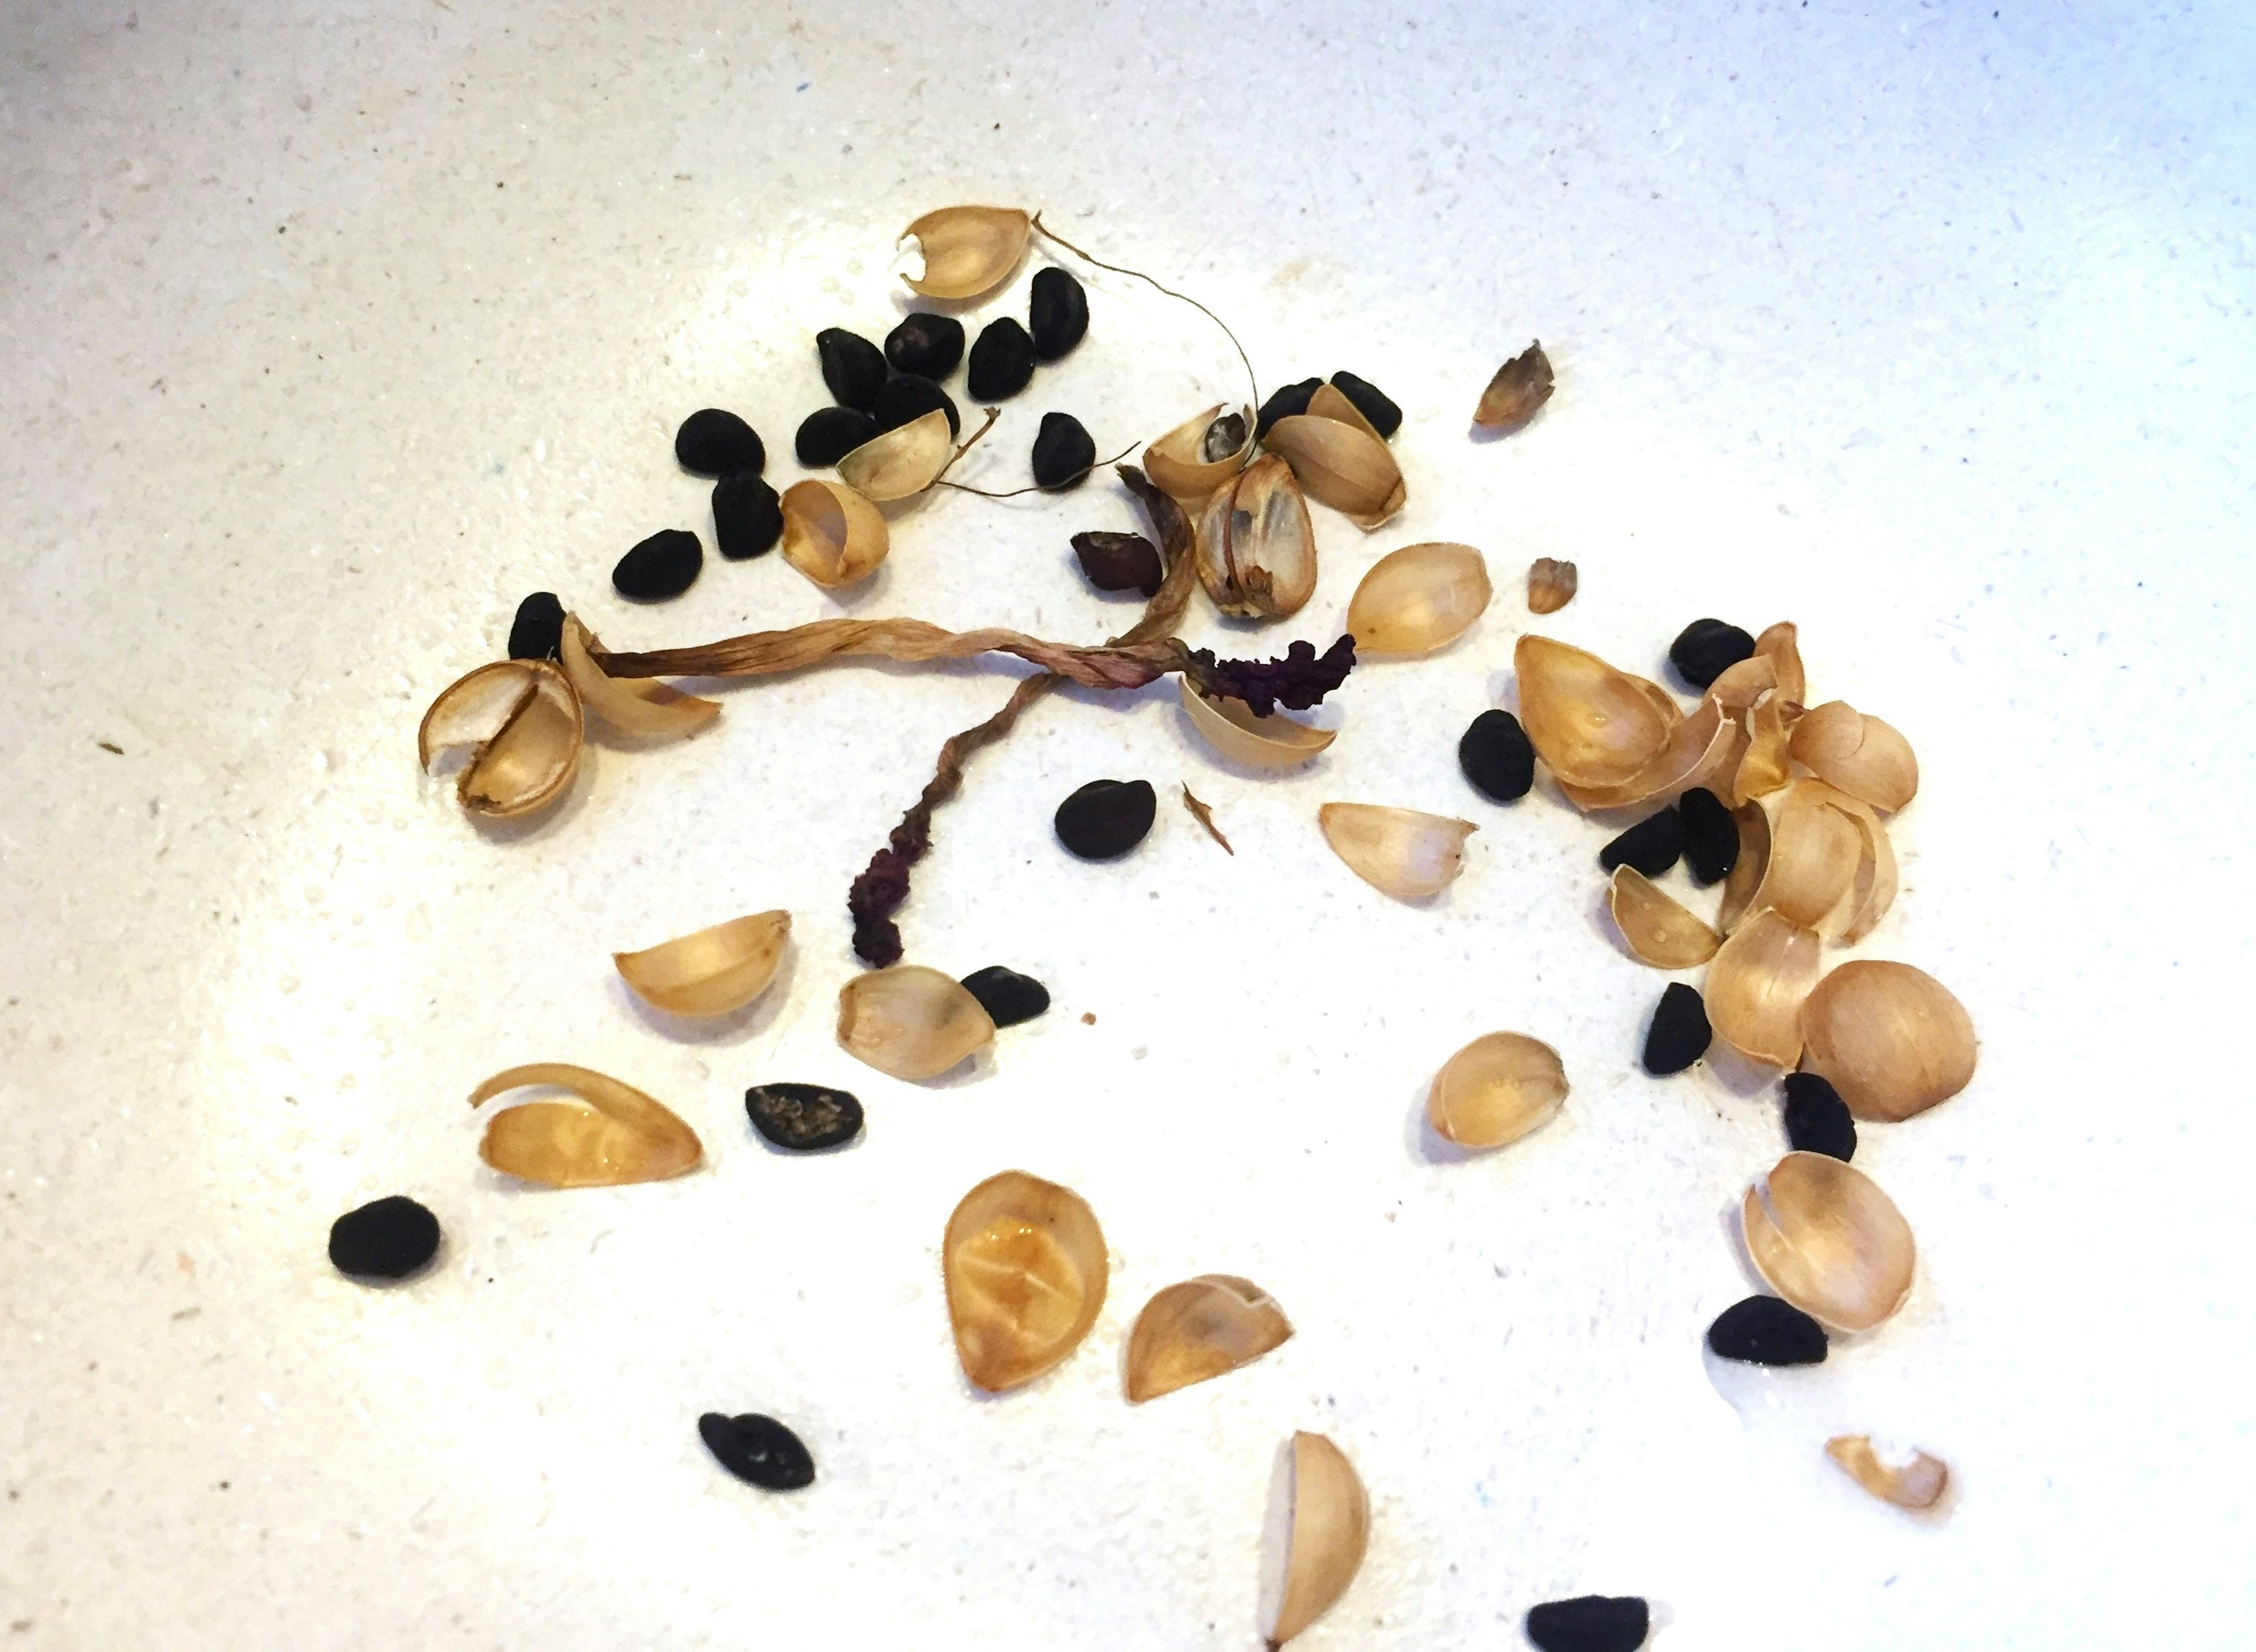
709	972
903	461
1810	870
1823	1236
1405	852
911	1022
1229	725
1419	599
1199	1329
831	533
1025	1267
1917	1482
1331	1529
1499	1088
632	705
611	1135
521	721
1756	984
968	250
1892	1039
1654	925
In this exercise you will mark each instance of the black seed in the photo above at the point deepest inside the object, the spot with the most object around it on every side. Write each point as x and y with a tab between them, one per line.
1225	436
1707	648
664	565
388	1239
1679	1033
1106	818
926	344
1711	837
1497	757
1063	453
1002	362
758	1450
1119	561
747	517
804	1117
852	367
539	628
828	434
1652	845
1287	403
1590	1623
1817	1119
906	397
1060	313
1008	996
713	442
1763	1330
1371	401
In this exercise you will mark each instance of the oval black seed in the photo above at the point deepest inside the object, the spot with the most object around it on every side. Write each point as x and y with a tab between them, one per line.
1063	453
804	1117
925	345
1106	818
852	367
1679	1032
1287	403
664	565
1497	757
538	631
1002	362
907	397
1008	996
1818	1120
1652	845
1707	648
828	434
747	517
1711	837
757	1450
1371	401
1590	1623
1119	561
1763	1330
389	1238
1060	315
714	442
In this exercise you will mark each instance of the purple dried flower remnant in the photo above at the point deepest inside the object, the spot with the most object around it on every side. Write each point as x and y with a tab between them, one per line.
1302	678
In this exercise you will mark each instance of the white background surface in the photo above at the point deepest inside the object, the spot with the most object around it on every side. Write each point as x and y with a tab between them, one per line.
330	330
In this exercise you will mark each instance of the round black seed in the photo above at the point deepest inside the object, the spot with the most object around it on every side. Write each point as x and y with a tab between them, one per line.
1707	648
1497	757
1711	837
925	345
1063	453
1590	1623
1106	818
389	1238
906	397
712	442
1763	1330
1679	1033
1287	403
828	434
539	628
852	367
1002	362
664	565
757	1450
803	1118
1818	1120
1060	315
747	517
1008	996
1652	845
1371	401
1119	561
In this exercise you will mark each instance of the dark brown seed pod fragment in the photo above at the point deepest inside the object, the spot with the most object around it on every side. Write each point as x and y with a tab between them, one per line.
1119	561
1520	386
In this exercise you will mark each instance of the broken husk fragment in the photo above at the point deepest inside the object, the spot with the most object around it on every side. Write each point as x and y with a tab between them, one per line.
1199	1329
1756	984
1204	816
1404	852
1256	549
901	462
710	971
1592	726
1823	1236
1520	386
640	706
608	1134
520	722
1495	1090
1233	729
1330	1530
831	533
1026	1267
1551	585
1861	755
968	250
1655	926
1339	460
1198	455
1915	1481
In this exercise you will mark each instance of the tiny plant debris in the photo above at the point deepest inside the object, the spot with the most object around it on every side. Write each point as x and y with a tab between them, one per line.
1008	996
608	1134
1679	1033
1119	561
747	517
1520	386
1496	757
1059	313
538	628
1106	819
1762	1331
389	1237
1818	1120
715	442
1204	816
1002	362
660	568
828	434
906	397
1376	408
803	1118
1590	1623
1551	585
1652	845
1707	648
853	369
1025	1268
757	1450
1909	1479
1199	1329
1064	453
925	345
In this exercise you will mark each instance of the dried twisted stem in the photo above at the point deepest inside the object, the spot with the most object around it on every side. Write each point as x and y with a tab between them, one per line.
762	653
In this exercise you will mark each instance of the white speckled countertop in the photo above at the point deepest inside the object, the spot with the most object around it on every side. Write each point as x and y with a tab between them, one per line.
330	330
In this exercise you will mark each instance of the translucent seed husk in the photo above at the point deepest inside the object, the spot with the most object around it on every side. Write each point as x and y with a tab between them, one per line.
1199	1329
520	719
1025	1267
831	533
1229	725
1874	889
1918	1482
1813	857
1655	926
1331	1529
903	461
1495	1090
1342	463
709	972
1551	585
911	1022
1781	646
1177	462
1695	748
612	1134
968	250
1592	724
1891	1038
1746	871
1764	766
1861	755
1256	548
1419	599
1824	1237
1756	984
633	705
1405	852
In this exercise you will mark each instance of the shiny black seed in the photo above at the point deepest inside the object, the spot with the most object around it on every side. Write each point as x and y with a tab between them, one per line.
828	434
1707	648
1497	757
1817	1119
664	565
1763	1330
1287	403
1008	996
747	517
804	1117
926	344
1002	362
852	367
758	1450
390	1238
1063	453
906	397
1652	845
1119	561
1105	818
1711	837
1679	1033
713	442
1589	1623
1060	315
538	629
1371	401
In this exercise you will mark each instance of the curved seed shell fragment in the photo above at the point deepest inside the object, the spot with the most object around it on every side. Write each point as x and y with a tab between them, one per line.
831	533
632	705
1025	1268
1177	460
1229	725
1656	926
611	1135
1551	584
1746	873
1815	850
709	972
1917	1482
1861	755
1696	747
1495	1090
1199	1329
1823	1236
1591	724
1331	1529
1342	464
911	1022
1780	645
1739	686
1256	548
898	462
1765	766
1874	890
1404	852
520	719
1755	985
1419	599
968	250
1892	1039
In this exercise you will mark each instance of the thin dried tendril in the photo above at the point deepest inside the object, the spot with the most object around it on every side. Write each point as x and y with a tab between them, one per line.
1253	384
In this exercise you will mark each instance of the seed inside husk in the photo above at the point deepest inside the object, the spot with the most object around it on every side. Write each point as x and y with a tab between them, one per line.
1285	402
1520	386
1002	362
709	972
1917	1481
1823	1236
1652	845
853	367
831	533
1008	996
386	1239
609	1134
907	397
1656	927
1059	313
1331	1529
1551	585
1228	434
899	462
1025	1267
1371	402
1590	1623
1711	837
828	434
1106	819
715	442
968	250
1119	561
520	722
1496	757
1256	549
1229	725
925	345
747	517
1495	1090
1892	1039
1064	453
1199	454
1404	852
1340	463
538	627
911	1022
1706	648
1679	1033
662	566
1763	1330
804	1117
1419	599
757	1450
1199	1329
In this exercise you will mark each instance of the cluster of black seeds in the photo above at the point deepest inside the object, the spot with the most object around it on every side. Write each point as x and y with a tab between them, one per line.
880	390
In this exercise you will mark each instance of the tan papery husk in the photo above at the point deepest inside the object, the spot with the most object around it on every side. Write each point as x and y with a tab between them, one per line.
1892	1039
1823	1236
1756	983
1199	1329
1499	1088
896	463
1173	460
1419	599
1917	1484
1229	725
911	1022
831	533
1655	926
1696	749
641	706
1340	462
615	1135
1865	757
1017	1252
1814	857
710	971
1405	852
1331	1529
968	250
521	721
1593	725
1265	568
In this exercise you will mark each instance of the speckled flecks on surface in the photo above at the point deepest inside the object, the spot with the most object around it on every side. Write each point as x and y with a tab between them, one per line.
331	331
